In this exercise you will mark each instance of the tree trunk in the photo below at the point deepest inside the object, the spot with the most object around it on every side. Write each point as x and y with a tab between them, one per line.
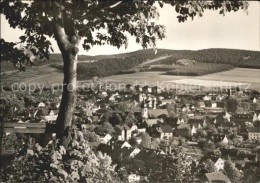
69	92
68	44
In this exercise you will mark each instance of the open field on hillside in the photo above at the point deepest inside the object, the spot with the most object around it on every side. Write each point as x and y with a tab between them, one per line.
196	69
46	75
237	75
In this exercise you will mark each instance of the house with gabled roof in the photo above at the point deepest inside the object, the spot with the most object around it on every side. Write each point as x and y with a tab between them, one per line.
196	123
106	138
164	131
256	117
119	144
218	162
183	130
180	121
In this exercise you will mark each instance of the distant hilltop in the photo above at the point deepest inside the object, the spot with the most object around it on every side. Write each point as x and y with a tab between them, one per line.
143	60
164	60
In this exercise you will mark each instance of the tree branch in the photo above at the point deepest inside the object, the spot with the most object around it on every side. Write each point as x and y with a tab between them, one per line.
59	31
116	4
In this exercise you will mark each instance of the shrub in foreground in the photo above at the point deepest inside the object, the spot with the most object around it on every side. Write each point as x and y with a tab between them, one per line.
73	161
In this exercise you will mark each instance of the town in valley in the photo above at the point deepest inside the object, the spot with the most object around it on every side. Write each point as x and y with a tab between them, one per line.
143	127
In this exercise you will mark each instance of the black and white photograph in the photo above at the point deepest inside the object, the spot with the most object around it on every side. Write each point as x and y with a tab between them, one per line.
130	91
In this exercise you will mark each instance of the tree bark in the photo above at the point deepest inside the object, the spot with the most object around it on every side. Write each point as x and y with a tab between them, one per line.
68	42
69	97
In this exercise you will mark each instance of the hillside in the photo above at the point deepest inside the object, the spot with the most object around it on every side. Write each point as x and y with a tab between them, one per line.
141	61
238	58
106	65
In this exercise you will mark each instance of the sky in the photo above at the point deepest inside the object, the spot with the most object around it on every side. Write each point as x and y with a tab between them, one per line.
235	30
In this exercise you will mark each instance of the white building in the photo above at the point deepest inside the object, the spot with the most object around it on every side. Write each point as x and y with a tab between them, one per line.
106	138
134	178
254	133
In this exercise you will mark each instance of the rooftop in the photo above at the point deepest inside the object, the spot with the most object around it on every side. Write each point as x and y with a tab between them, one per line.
157	112
165	129
217	177
254	129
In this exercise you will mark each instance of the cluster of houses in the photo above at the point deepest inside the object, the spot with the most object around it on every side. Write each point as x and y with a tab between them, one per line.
39	114
157	122
163	115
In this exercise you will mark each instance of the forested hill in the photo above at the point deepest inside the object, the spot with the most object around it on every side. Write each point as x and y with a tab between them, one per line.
114	64
105	65
238	58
